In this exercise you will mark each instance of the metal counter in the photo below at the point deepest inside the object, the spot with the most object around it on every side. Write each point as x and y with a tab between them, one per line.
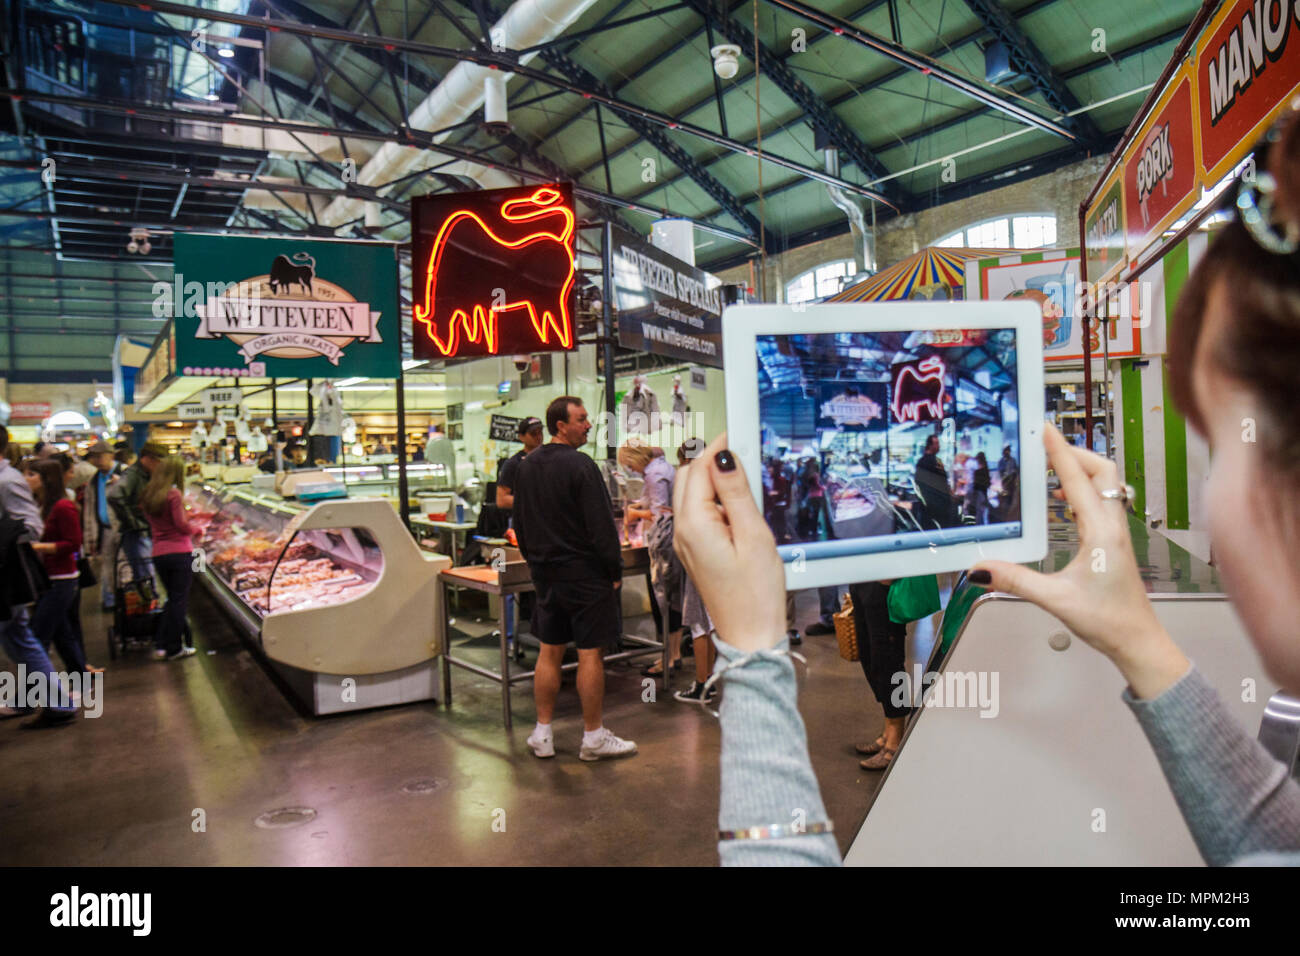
513	578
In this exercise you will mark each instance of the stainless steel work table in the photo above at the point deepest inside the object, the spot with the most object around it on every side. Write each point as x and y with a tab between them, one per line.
514	579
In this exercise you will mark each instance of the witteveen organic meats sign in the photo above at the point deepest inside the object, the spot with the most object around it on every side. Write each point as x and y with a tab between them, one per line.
248	306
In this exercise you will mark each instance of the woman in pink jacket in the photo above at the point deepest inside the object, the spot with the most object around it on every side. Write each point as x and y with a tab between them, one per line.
173	551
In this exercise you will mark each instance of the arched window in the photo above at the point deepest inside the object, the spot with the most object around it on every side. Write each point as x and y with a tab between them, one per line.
68	421
819	281
1005	232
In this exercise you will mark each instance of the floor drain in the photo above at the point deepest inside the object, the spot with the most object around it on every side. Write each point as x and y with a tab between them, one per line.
285	817
424	786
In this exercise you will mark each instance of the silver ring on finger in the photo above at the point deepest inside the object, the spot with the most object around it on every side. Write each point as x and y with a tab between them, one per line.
1126	495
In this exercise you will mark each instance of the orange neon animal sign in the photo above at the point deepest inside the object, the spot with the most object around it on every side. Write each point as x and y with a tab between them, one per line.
478	271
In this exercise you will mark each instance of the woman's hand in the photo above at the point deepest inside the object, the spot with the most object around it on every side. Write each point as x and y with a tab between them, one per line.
1099	594
728	549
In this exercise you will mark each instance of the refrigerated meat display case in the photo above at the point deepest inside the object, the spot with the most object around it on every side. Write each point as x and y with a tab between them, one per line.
336	596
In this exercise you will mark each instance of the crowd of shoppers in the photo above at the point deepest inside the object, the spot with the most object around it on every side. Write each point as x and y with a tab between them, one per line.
78	516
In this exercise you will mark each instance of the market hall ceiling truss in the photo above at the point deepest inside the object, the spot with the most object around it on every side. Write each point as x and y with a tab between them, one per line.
180	147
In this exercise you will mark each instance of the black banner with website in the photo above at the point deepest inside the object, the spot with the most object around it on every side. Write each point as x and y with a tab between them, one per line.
665	306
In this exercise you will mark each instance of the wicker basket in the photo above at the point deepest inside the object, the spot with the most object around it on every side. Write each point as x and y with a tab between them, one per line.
846	631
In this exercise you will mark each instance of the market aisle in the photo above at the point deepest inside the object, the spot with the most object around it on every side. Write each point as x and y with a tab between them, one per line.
410	785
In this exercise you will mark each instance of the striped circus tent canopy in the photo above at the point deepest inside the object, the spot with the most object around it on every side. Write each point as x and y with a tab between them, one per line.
930	267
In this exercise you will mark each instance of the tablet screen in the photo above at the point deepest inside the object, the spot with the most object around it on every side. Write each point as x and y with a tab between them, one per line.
886	441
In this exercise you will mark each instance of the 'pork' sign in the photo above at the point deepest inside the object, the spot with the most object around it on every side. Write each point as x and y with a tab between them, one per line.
1156	164
1160	171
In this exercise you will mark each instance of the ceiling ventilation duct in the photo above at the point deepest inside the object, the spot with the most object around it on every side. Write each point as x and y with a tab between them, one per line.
864	237
495	118
997	64
526	24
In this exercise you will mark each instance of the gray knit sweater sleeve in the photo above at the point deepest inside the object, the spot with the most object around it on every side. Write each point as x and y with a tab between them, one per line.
1237	800
767	777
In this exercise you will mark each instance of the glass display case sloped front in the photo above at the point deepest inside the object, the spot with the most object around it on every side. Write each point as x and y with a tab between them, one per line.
337	588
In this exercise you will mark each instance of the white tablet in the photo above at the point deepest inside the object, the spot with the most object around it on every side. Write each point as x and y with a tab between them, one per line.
884	440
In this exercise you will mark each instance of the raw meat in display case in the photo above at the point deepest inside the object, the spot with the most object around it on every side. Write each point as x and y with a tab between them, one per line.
254	546
336	596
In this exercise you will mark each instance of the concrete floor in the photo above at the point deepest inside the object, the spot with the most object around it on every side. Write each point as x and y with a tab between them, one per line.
409	785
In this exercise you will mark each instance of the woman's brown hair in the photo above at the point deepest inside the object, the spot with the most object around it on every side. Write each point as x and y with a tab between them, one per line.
52	489
1258	345
167	474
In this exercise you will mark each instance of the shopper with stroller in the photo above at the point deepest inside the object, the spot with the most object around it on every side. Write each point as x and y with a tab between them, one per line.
97	536
173	553
133	527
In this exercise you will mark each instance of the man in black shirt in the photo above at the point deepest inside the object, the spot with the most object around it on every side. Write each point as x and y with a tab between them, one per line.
565	525
530	433
932	486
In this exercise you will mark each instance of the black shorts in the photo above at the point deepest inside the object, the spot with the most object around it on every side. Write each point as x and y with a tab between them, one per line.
584	612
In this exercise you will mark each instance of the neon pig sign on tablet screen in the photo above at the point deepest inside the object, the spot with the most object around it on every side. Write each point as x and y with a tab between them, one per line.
919	393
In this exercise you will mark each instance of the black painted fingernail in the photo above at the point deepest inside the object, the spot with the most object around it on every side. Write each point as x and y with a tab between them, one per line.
726	460
980	577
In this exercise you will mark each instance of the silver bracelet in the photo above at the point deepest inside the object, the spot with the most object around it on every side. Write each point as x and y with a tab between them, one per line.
777	831
765	654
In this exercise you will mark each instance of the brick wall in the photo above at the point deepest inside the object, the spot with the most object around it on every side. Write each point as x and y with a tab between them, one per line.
1058	193
60	396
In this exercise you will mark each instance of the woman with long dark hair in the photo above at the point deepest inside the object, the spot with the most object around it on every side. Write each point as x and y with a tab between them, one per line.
57	617
173	554
1234	347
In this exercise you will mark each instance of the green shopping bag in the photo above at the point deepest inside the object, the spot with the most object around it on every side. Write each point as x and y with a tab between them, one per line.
959	606
911	599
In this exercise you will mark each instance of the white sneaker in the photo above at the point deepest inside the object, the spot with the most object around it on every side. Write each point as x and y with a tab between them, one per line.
609	746
160	655
543	745
181	654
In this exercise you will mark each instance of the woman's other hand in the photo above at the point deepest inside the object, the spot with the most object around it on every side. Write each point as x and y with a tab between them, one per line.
728	549
1099	595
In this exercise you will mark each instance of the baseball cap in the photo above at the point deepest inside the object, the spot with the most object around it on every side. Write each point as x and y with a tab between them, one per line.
528	424
99	448
153	449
